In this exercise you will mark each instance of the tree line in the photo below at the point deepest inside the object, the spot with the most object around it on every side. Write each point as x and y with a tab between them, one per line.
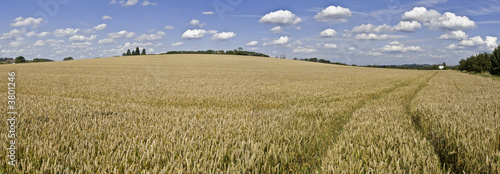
21	59
314	59
238	51
413	66
405	66
135	52
482	63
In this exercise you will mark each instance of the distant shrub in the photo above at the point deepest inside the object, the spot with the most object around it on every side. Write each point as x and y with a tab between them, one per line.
20	59
68	58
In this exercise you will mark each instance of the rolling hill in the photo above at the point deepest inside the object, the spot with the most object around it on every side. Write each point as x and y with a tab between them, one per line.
235	114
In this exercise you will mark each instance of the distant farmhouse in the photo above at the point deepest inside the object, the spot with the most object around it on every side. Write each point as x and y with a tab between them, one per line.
6	60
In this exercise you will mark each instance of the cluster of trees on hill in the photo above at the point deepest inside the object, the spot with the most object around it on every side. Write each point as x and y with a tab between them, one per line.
135	52
41	60
68	58
238	51
482	63
320	61
406	66
412	66
21	59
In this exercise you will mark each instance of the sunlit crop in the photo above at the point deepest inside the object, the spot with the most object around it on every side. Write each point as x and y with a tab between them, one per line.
460	115
240	114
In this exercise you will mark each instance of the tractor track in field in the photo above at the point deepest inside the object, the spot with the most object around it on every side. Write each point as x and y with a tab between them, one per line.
421	80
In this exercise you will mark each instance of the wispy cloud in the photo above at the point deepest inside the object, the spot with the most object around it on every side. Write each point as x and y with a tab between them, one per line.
488	22
245	16
486	7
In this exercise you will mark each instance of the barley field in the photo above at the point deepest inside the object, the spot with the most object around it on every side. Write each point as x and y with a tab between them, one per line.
239	114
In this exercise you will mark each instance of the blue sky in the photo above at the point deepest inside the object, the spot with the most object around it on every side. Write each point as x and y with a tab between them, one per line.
355	32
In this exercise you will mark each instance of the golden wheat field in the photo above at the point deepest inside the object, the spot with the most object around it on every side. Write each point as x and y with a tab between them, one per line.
240	114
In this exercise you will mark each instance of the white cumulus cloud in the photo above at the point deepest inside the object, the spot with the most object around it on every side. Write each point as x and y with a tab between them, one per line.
169	27
330	46
128	2
396	46
16	44
208	13
19	42
475	41
370	28
22	22
301	49
121	34
82	45
455	47
194	34
106	17
281	17
333	14
51	42
280	41
328	33
39	43
455	35
371	36
177	44
489	42
252	43
106	41
31	34
450	21
65	32
43	34
100	27
146	3
277	29
223	36
407	26
80	38
12	33
151	37
435	21
420	14
212	31
196	23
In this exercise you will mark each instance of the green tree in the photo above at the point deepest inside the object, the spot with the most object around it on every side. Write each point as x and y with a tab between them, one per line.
20	59
495	62
444	65
128	52
137	51
68	58
133	52
143	51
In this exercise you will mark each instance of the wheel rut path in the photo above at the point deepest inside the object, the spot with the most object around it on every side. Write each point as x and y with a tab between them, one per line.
381	136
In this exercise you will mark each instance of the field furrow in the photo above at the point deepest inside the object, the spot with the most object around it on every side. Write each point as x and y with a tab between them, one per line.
458	113
236	114
380	138
186	113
